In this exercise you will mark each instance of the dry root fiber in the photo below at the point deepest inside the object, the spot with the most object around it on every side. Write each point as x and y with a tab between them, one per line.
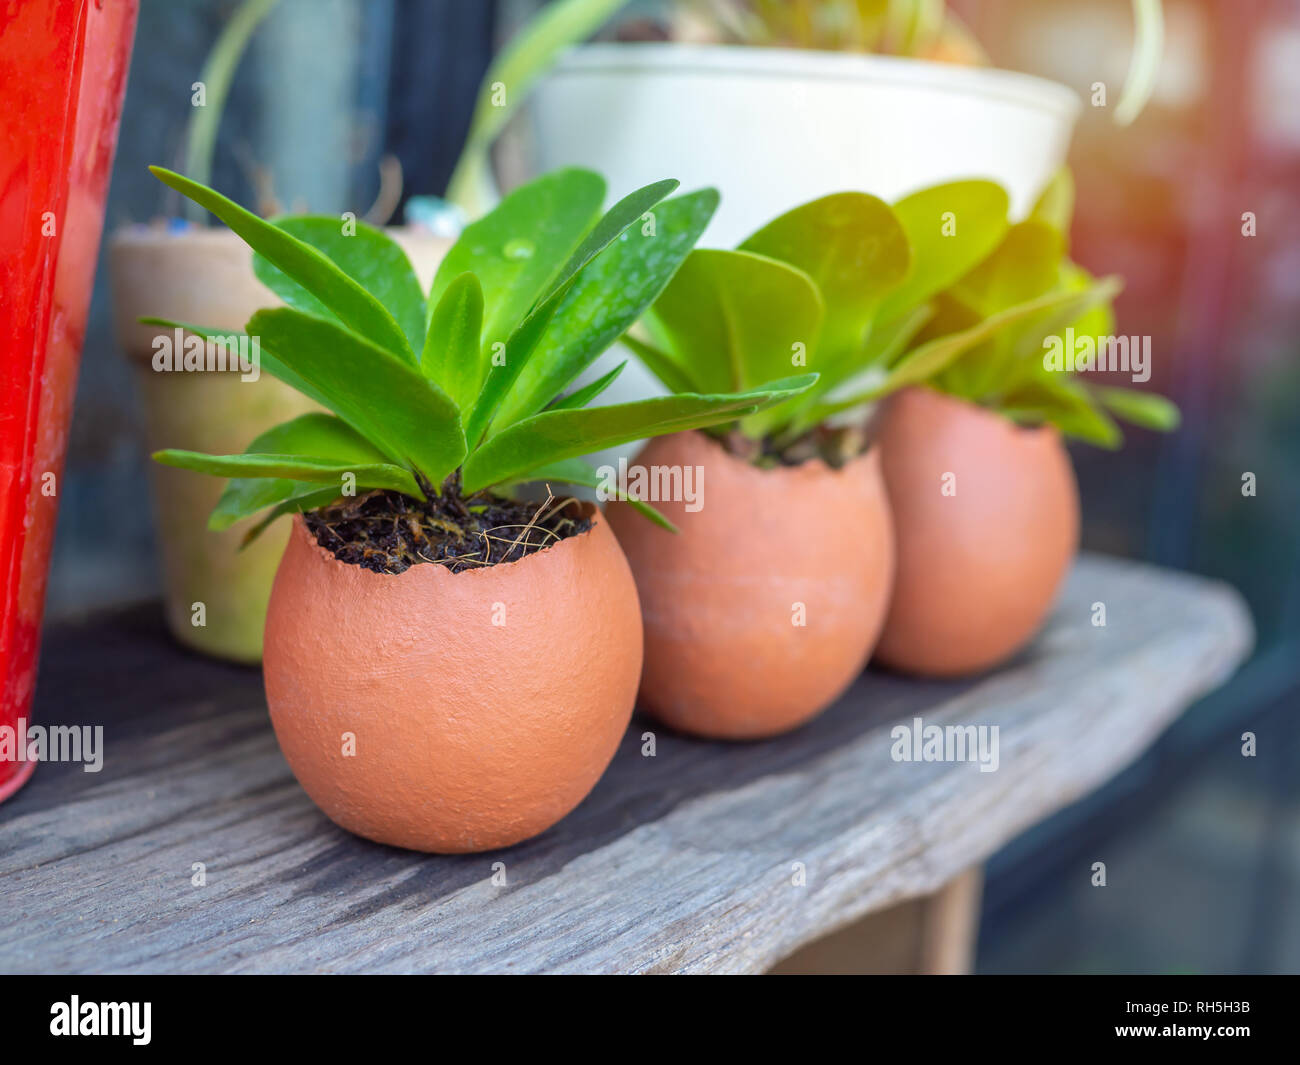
388	532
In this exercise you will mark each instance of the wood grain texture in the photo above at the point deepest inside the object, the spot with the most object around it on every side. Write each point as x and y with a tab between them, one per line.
680	862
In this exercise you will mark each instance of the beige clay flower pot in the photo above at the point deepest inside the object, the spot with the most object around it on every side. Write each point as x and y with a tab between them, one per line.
205	276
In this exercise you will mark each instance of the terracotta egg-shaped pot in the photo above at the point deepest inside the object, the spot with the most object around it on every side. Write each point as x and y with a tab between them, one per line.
452	712
987	519
767	603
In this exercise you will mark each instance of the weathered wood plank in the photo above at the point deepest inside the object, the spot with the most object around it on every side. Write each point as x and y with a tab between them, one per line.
682	862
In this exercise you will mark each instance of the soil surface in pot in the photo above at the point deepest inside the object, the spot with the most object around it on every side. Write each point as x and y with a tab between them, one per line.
387	532
836	446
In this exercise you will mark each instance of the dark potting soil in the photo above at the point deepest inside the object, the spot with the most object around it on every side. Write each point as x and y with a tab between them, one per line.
388	532
835	446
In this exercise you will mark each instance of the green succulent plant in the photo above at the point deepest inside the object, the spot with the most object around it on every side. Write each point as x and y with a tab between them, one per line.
1007	371
464	391
919	29
937	289
916	28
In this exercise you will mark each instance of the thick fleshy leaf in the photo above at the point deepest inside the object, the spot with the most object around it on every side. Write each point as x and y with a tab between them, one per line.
674	376
292	468
630	209
266	360
1062	402
1055	204
855	250
554	435
1098	320
406	416
1025	265
608	296
319	434
305	497
245	496
739	320
1145	409
451	353
886	343
1071	304
369	256
313	270
502	368
950	229
1022	349
580	397
952	316
923	364
889	340
503	372
520	245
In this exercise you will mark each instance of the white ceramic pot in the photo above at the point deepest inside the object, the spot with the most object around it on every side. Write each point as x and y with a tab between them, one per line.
205	276
774	127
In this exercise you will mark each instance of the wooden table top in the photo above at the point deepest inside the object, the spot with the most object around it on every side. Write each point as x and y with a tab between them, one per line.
686	861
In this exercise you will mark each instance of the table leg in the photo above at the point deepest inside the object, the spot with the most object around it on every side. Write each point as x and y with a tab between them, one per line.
934	934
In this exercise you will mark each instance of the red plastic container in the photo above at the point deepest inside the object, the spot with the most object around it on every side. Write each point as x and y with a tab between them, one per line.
63	67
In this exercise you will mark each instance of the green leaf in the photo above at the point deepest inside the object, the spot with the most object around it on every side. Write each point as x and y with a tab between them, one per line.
554	435
923	364
266	360
630	209
525	58
854	249
245	496
451	357
292	468
1062	402
1099	319
502	369
885	344
1144	67
1055	204
520	245
1025	265
950	229
580	397
674	376
607	297
1066	307
301	500
1020	351
319	434
738	319
406	416
502	373
316	272
888	340
369	256
1145	409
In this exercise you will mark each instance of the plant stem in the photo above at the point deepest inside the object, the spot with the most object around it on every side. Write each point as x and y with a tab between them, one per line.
529	55
1148	49
216	77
